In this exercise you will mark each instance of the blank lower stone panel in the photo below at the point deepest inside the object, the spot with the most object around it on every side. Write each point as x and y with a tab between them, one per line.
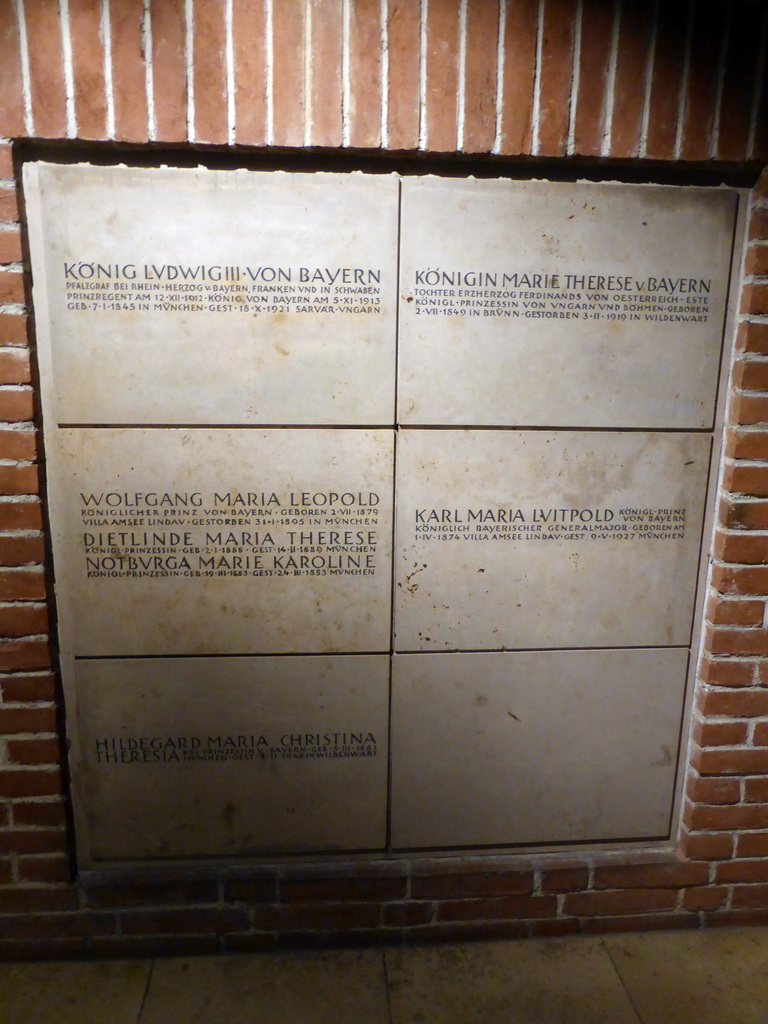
190	757
562	304
552	747
222	541
197	296
543	539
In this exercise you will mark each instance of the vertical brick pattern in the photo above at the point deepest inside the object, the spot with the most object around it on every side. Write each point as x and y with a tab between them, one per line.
665	71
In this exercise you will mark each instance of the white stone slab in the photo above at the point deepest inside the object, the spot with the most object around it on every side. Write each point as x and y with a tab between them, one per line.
551	747
218	541
231	756
589	328
542	539
228	296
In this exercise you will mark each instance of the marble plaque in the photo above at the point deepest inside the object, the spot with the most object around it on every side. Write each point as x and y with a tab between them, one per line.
559	304
203	297
191	757
544	539
200	541
552	747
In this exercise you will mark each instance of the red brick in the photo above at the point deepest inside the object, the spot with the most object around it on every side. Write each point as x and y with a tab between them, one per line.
251	890
710	897
479	129
186	921
756	264
6	153
30	782
21	585
745	515
731	919
46	71
20	443
555	72
11	287
13	327
756	790
552	929
742	704
727	673
19	480
592	904
754	301
16	406
209	72
698	114
128	72
249	943
26	720
29	901
520	35
742	871
53	926
714	791
325	71
469	931
9	208
6	872
14	366
651	876
316	917
10	246
706	847
666	82
731	762
752	844
16	655
20	515
45	869
596	34
28	688
39	840
352	938
741	547
758	223
747	444
34	751
750	896
161	945
403	85
404	915
761	734
752	338
40	813
150	893
476	884
735	613
11	98
742	64
169	81
498	908
731	580
365	74
712	819
564	880
317	889
43	949
88	68
288	72
737	641
720	734
21	550
23	620
635	31
442	70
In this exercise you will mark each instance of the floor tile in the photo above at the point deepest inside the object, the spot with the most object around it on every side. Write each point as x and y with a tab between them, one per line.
547	981
346	987
703	977
109	992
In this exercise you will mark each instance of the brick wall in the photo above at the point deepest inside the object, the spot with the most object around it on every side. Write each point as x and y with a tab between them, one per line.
637	87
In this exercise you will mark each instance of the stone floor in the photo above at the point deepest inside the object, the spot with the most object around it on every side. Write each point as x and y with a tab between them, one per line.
708	977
